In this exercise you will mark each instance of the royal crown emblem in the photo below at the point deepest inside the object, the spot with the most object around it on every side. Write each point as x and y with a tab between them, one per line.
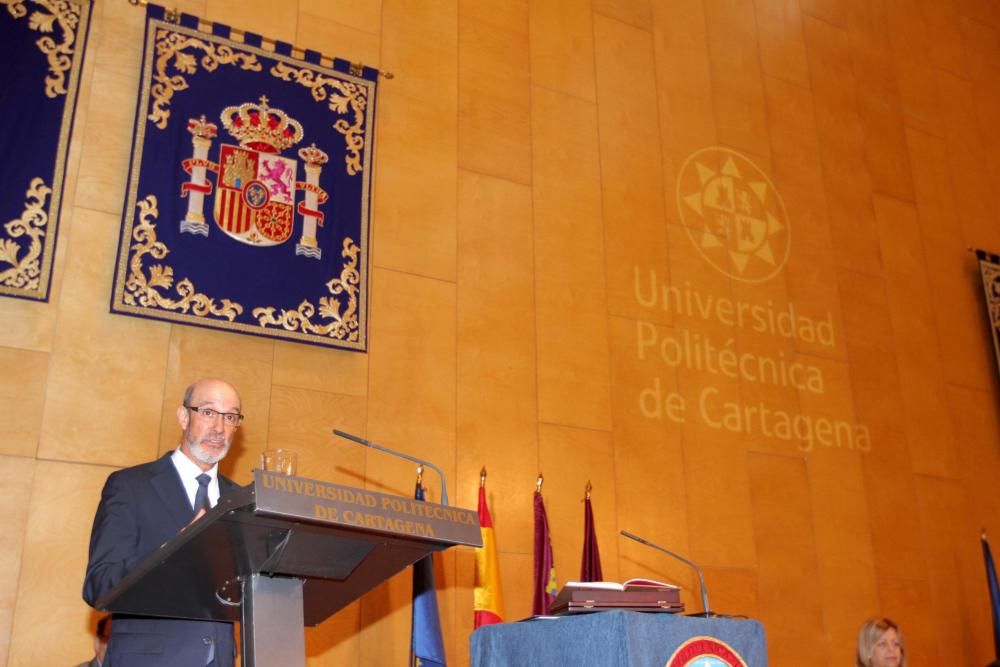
255	198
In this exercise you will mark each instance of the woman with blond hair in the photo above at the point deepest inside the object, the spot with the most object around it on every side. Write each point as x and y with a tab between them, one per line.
880	644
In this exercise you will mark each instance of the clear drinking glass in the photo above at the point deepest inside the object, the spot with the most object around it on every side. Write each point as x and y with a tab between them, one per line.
279	460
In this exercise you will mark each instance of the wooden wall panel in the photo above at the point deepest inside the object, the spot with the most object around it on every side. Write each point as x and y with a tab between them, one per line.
649	478
968	161
632	12
411	405
16	481
301	420
946	50
385	622
720	524
737	89
22	395
570	281
493	103
113	421
29	325
909	39
321	369
782	50
417	141
951	268
526	241
339	32
830	11
365	15
683	86
57	531
264	17
789	591
879	104
841	139
631	182
928	427
497	406
843	546
561	34
105	156
944	528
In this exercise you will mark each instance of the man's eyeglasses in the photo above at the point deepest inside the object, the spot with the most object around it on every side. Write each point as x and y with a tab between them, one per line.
233	419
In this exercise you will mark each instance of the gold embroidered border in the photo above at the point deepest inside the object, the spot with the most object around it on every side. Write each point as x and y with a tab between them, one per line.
170	46
24	272
66	15
147	291
343	96
349	282
342	327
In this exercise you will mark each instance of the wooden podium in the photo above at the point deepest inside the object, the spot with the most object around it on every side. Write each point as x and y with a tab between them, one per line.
285	552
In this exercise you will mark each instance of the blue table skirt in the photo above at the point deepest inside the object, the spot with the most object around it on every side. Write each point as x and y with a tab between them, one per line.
610	638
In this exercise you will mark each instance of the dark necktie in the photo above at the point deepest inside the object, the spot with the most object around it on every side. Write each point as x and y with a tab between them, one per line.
201	496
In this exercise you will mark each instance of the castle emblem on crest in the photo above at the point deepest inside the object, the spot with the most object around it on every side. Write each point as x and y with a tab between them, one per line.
256	186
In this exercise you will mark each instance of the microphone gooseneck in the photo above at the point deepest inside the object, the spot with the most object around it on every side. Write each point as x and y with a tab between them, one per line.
374	445
701	579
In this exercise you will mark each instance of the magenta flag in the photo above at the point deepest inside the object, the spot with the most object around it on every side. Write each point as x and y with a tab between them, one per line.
545	587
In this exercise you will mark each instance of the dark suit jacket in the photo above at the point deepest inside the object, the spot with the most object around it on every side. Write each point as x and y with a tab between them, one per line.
141	508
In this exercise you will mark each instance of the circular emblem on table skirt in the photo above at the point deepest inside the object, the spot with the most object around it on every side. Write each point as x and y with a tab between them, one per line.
705	652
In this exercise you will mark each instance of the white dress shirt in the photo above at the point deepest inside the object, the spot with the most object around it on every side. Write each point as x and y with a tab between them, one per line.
189	472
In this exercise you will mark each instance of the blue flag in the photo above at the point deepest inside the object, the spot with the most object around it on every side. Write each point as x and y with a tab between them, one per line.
991	580
426	643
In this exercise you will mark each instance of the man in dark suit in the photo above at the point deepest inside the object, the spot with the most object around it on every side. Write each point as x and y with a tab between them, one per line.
145	506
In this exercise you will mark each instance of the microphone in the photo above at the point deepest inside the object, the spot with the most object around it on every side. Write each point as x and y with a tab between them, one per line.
369	443
701	580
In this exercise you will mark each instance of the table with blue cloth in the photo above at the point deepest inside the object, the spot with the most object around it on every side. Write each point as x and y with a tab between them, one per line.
609	638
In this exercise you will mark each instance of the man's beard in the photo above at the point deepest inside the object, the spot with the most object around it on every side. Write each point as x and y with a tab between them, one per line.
206	455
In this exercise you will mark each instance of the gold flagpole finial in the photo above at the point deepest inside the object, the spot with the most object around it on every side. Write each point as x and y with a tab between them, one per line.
482	477
587	490
538	483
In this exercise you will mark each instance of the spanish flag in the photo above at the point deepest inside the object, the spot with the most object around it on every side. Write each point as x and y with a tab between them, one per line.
488	603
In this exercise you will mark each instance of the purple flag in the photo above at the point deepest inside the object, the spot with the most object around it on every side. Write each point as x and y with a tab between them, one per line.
590	568
545	587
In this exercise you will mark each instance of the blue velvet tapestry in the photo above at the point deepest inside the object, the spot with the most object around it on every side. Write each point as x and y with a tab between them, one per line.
248	199
989	269
42	44
621	639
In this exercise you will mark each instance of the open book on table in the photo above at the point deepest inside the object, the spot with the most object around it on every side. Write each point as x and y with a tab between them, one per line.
630	585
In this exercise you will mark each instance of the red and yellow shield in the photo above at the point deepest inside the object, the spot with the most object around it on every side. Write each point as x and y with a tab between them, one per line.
255	197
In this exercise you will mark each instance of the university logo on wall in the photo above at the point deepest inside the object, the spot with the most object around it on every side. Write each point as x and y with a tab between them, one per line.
733	214
705	652
42	43
248	200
